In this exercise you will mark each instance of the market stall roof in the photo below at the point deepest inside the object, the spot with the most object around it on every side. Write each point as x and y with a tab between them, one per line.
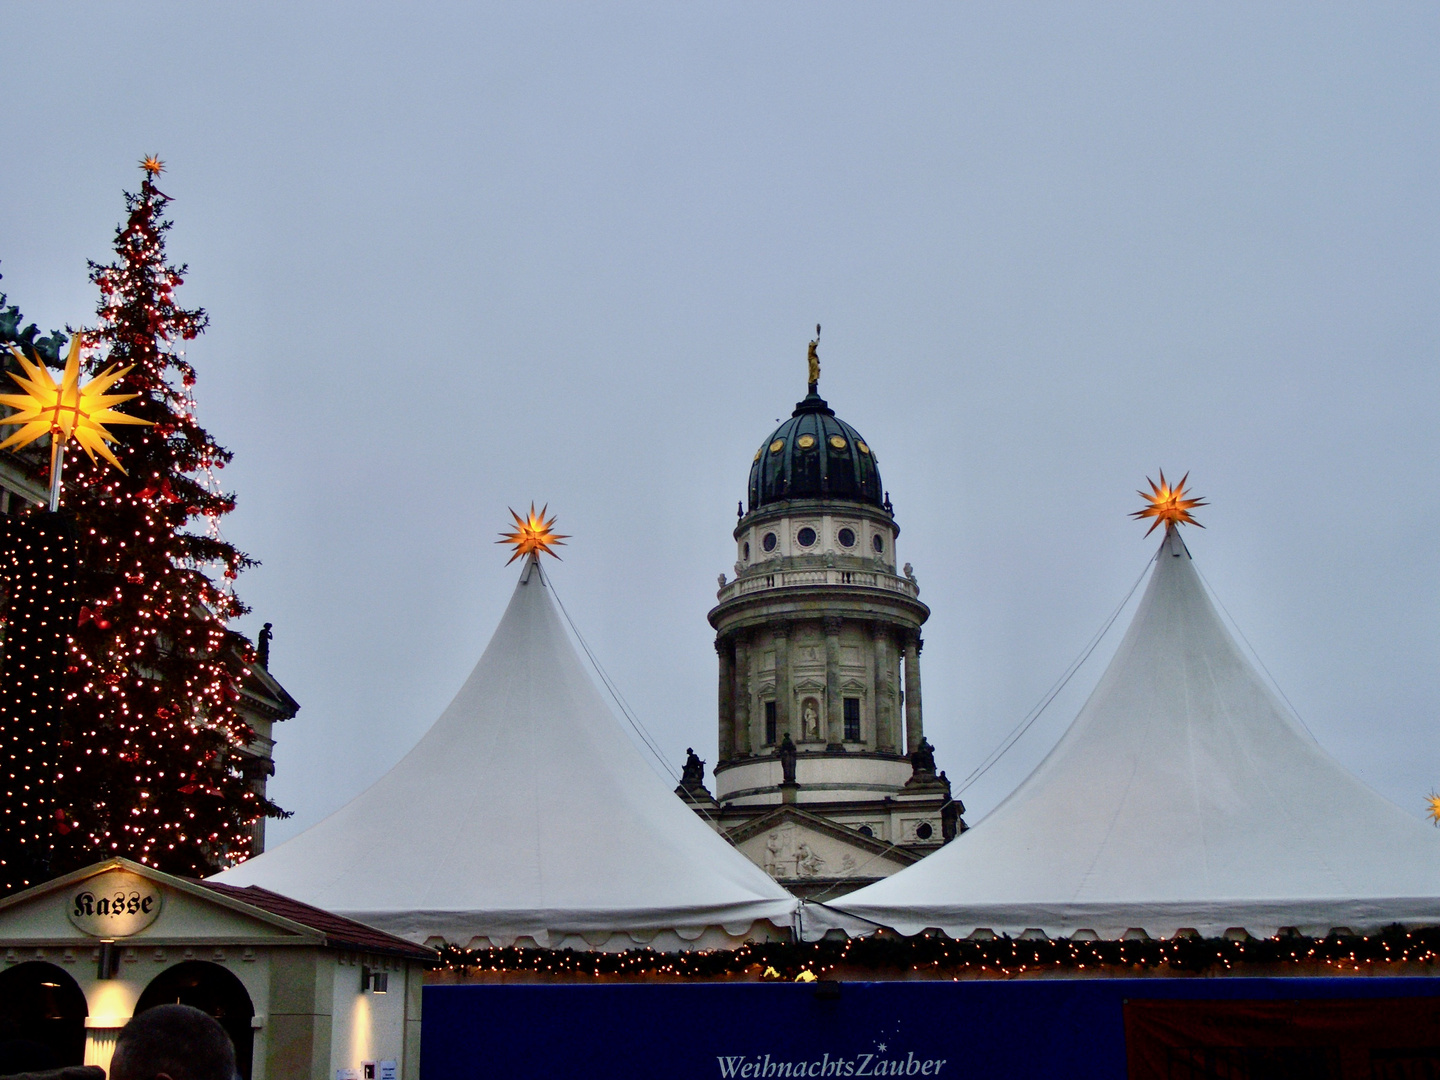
525	811
1183	796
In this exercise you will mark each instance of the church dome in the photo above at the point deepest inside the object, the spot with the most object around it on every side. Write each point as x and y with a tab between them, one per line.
814	455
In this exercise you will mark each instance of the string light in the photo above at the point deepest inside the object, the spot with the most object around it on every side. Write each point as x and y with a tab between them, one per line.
935	955
37	565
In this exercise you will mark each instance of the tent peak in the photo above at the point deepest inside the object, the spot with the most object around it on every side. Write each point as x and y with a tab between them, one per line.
1173	544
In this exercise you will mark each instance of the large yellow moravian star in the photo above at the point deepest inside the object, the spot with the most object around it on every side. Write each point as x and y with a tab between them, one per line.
1167	505
532	535
65	409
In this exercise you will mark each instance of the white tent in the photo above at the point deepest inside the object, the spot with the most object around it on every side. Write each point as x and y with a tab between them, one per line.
1184	796
526	812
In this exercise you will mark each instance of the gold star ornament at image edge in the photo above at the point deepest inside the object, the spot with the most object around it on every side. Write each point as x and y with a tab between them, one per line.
533	534
1168	505
66	409
1433	802
152	165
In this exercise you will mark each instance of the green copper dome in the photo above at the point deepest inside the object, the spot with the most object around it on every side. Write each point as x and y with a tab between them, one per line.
814	455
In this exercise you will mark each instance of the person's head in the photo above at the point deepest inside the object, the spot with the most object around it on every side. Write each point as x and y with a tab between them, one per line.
173	1042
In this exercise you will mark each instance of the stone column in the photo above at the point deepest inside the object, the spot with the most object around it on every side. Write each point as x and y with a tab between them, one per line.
914	724
727	699
742	696
834	710
783	693
884	692
101	1034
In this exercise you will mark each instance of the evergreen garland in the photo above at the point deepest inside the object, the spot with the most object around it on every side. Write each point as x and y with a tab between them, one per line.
883	956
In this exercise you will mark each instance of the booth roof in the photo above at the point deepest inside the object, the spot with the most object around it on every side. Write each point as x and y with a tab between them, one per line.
1184	796
340	932
524	811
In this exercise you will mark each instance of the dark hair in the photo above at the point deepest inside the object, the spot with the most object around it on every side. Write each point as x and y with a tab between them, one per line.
177	1040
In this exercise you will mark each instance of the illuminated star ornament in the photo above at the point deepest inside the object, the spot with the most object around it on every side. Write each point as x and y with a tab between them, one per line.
65	410
1432	802
152	165
532	535
1168	505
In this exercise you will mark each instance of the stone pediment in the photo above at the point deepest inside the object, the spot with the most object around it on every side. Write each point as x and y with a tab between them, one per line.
126	901
803	849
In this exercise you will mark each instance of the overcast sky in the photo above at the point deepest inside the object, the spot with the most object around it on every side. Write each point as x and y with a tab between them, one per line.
461	257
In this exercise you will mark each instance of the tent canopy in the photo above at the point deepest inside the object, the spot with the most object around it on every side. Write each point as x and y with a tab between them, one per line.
1184	796
524	811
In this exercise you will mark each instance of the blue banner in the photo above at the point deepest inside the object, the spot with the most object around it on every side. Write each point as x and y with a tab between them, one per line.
1072	1028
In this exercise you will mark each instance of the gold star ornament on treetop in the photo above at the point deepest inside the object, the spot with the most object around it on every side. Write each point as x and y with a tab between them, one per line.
1168	505
532	535
1432	802
152	165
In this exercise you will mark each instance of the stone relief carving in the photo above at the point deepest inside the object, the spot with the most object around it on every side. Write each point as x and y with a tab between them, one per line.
779	862
808	862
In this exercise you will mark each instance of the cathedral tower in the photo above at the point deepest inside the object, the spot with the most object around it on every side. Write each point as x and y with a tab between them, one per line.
824	776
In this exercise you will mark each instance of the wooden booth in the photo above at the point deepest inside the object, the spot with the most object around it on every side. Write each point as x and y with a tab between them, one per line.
303	993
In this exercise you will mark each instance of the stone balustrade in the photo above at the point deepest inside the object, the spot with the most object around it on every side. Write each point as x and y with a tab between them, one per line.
761	580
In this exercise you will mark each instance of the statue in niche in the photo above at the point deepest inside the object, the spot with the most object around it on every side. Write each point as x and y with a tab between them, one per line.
923	759
810	719
787	758
807	862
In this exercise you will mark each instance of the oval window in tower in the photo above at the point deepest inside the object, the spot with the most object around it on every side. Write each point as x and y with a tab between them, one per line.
879	542
805	537
769	542
747	551
846	537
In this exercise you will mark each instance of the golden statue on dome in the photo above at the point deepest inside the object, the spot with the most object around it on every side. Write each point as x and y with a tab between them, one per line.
814	359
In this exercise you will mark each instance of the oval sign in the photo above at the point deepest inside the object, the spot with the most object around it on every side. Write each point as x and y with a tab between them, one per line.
115	904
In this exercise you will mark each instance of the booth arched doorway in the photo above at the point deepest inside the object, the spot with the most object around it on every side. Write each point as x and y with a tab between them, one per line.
212	989
42	1018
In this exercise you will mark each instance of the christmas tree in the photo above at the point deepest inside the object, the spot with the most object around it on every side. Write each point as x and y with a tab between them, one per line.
150	764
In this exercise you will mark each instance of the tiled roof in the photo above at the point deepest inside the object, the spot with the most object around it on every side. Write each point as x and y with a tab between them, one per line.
339	932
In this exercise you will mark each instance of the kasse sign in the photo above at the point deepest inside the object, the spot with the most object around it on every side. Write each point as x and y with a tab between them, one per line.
114	904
